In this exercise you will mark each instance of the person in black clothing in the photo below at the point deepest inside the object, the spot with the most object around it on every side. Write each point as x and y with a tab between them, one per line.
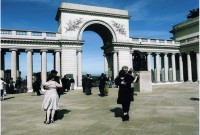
72	83
125	95
11	86
88	84
37	86
68	84
65	83
83	83
18	84
102	82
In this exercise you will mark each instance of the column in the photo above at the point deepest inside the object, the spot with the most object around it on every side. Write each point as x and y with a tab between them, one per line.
105	65
166	67
197	57
57	62
149	61
44	66
131	59
14	64
157	68
18	64
29	69
189	67
173	68
2	63
181	67
115	64
79	62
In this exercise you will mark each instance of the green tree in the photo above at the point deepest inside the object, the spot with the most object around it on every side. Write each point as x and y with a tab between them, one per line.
193	13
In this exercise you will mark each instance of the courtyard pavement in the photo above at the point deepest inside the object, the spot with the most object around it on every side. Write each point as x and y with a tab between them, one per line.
170	109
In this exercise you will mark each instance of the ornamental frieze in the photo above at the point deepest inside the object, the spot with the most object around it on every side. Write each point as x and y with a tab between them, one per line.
120	28
73	25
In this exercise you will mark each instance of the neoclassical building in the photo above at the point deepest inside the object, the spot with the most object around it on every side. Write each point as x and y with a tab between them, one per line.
174	60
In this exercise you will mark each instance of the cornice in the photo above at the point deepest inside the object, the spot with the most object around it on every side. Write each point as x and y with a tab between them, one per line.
36	41
67	10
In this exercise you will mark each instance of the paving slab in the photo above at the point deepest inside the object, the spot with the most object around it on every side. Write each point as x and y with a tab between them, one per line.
170	109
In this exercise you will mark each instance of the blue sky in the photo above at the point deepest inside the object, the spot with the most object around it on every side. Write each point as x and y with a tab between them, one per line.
149	18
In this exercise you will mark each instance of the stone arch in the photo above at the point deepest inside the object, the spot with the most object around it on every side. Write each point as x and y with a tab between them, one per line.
90	26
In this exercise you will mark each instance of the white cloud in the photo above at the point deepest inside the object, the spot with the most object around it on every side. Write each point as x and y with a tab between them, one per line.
138	10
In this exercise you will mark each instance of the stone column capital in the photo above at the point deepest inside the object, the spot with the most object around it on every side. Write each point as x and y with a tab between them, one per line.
57	50
79	50
149	53
13	49
29	50
115	51
43	50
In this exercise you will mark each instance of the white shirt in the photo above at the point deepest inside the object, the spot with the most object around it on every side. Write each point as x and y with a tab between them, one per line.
2	83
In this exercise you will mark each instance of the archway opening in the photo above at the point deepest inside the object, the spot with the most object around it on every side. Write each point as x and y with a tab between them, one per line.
92	56
95	36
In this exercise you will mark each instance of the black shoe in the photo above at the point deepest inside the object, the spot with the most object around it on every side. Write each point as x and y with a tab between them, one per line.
125	117
52	121
47	122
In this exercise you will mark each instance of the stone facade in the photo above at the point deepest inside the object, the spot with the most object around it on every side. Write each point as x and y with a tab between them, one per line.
66	45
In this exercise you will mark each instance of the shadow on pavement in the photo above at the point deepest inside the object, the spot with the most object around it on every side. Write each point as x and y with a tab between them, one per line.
61	113
8	98
194	99
118	112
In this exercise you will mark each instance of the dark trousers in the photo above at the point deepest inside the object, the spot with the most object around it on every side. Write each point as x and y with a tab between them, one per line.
126	106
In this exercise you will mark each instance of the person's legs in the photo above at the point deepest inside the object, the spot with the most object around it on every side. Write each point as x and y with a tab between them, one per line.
2	94
48	116
126	107
52	115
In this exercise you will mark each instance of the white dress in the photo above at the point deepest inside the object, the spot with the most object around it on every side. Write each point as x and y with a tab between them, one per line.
51	99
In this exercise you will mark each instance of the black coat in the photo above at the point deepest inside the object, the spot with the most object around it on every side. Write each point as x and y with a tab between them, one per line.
125	93
102	82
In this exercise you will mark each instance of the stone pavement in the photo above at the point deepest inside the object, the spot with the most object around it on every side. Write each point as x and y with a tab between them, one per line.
169	110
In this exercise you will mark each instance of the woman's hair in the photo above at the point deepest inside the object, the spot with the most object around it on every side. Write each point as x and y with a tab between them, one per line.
122	73
50	77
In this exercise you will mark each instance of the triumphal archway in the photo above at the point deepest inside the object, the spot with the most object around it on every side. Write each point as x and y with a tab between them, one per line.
112	25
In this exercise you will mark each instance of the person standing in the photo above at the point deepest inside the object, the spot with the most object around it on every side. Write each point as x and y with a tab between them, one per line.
64	83
11	85
125	96
58	89
68	84
51	98
18	85
2	88
83	83
37	86
88	85
102	82
72	83
109	82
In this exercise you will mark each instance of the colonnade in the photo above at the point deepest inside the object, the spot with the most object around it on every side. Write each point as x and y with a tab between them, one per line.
169	63
29	60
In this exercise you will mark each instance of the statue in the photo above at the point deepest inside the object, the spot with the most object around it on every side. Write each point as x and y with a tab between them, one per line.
139	61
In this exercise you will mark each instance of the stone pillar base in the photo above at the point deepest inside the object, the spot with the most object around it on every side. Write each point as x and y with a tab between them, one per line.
144	84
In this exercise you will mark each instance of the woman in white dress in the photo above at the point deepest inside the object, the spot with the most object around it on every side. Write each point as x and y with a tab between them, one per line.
51	99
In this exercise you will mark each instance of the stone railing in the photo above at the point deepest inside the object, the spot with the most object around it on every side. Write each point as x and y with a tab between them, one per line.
155	41
24	34
190	40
